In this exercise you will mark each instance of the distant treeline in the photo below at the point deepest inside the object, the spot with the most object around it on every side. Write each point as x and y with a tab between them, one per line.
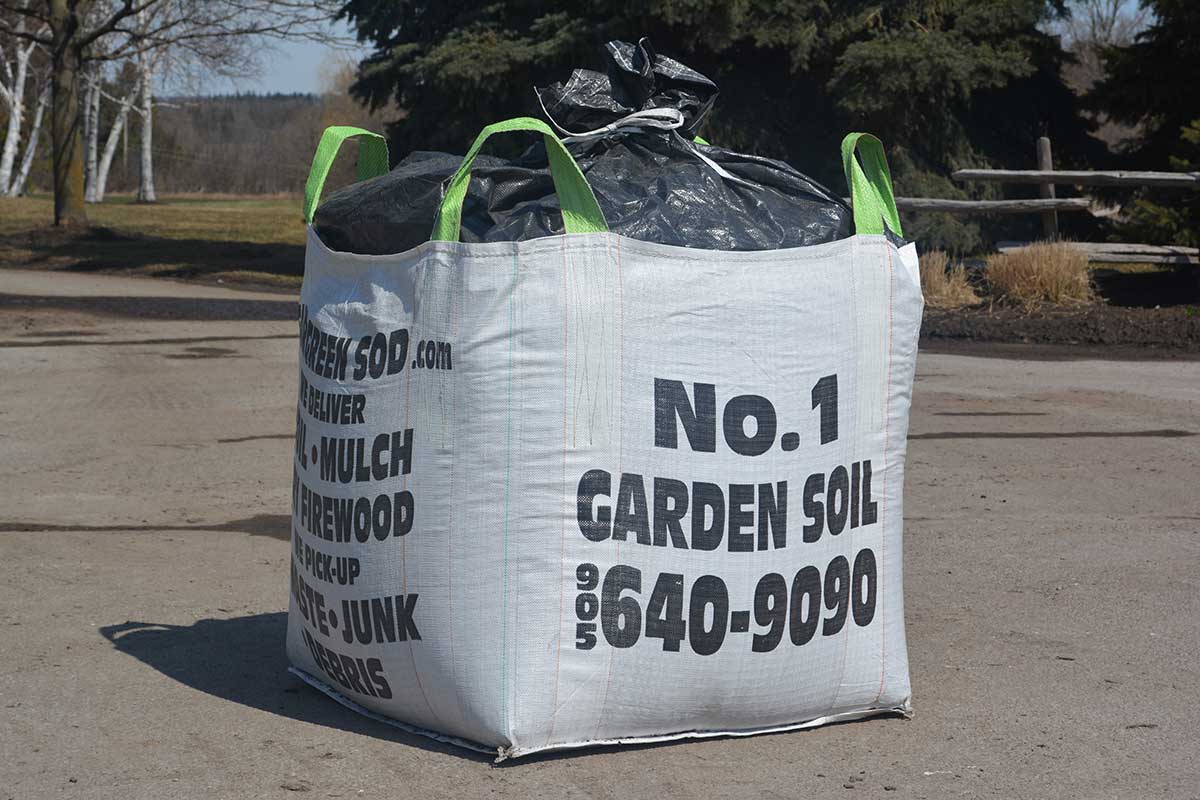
236	144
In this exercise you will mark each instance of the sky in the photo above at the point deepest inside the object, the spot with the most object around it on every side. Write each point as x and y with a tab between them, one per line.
294	67
291	66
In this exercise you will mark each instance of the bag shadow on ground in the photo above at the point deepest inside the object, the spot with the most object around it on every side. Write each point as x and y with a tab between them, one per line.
242	660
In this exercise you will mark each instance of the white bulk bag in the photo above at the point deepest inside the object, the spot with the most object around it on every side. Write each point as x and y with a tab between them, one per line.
585	489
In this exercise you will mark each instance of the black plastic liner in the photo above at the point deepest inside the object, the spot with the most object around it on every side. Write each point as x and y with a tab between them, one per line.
652	184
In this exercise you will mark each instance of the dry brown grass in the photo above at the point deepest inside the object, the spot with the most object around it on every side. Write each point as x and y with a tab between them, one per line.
945	286
261	219
251	239
1043	272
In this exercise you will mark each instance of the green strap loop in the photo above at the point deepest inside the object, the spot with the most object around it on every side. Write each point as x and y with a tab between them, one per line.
372	161
581	213
870	185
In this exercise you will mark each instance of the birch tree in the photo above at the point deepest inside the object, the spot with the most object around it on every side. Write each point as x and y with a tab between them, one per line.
145	69
18	76
110	147
98	157
98	180
16	188
91	128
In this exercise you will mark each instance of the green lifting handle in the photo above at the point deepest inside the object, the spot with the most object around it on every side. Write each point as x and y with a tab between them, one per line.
372	161
870	185
581	213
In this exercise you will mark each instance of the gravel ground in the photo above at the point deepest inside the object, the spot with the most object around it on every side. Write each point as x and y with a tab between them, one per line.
1052	538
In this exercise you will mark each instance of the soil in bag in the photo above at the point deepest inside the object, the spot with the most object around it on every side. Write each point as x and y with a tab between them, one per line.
631	130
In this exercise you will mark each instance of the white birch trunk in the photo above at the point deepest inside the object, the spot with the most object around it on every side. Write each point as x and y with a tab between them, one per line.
14	96
91	132
17	187
146	75
85	119
85	124
110	147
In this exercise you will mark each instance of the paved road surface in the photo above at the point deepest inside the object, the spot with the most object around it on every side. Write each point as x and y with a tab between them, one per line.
1053	542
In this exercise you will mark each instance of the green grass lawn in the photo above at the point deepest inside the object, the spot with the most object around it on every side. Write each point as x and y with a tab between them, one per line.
216	237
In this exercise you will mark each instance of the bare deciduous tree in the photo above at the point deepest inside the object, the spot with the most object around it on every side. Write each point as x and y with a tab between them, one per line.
75	32
1093	25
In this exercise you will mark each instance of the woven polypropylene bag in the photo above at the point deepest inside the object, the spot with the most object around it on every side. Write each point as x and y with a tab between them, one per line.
585	489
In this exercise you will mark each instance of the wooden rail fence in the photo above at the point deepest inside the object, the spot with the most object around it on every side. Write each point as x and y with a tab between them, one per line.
1049	206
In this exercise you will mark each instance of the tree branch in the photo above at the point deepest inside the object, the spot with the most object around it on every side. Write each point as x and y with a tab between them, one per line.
29	36
128	9
24	10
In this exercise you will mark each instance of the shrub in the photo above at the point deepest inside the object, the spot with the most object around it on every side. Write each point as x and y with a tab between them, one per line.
1043	272
945	286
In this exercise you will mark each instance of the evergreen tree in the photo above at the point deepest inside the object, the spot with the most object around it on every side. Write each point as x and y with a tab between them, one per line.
945	83
1151	84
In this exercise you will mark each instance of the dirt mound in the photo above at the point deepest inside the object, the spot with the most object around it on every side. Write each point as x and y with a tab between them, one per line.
1169	330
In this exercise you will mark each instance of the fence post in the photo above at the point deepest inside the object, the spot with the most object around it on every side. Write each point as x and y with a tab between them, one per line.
1046	162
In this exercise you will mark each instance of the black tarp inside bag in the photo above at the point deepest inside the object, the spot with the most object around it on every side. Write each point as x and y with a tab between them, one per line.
631	131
